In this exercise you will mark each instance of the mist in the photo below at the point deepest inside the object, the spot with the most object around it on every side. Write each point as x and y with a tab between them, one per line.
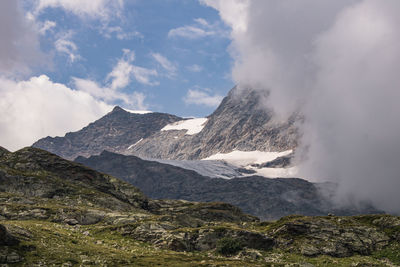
337	62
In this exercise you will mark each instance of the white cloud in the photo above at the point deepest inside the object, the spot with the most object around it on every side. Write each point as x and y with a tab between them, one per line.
338	62
120	34
47	26
38	107
195	68
190	32
233	12
203	22
109	95
165	63
19	45
65	45
143	75
201	28
94	9
122	72
119	78
198	97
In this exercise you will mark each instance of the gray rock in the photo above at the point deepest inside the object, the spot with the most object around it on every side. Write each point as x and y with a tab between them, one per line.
116	131
239	123
6	239
323	236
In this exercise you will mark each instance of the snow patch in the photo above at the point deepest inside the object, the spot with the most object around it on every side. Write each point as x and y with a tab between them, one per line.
245	158
138	111
135	143
193	126
209	168
276	172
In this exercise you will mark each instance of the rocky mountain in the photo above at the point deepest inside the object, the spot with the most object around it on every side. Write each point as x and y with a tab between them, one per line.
263	197
239	123
116	131
54	212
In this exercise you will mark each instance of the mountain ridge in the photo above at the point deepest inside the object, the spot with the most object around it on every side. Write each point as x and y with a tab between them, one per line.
239	123
260	196
115	131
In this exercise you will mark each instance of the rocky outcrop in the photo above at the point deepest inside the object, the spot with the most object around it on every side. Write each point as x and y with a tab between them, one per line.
241	122
259	196
333	236
6	239
8	244
116	131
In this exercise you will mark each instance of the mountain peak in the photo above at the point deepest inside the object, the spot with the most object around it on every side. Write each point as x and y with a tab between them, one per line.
118	109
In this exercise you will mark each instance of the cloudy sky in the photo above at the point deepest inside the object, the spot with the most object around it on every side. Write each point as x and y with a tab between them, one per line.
65	63
337	62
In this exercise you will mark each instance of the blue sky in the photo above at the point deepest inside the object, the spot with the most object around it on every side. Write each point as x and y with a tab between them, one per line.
180	46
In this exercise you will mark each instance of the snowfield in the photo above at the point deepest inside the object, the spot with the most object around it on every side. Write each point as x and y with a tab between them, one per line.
245	158
193	126
275	172
138	111
209	168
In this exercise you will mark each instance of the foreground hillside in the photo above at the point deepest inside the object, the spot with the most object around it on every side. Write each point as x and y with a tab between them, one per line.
58	213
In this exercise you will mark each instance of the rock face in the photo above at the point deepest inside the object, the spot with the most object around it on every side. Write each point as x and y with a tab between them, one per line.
116	131
6	239
239	123
259	196
333	236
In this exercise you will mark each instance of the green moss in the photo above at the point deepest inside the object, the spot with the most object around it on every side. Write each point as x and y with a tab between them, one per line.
392	253
56	244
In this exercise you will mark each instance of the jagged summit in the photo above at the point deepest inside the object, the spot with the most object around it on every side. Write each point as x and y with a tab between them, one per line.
116	131
118	109
239	123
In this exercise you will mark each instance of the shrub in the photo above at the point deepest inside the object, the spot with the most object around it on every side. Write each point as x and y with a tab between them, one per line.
228	246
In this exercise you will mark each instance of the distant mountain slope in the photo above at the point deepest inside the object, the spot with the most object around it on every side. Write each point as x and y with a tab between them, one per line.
259	196
239	123
116	131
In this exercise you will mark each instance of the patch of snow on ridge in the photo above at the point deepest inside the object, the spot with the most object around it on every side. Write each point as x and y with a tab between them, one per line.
276	172
209	168
245	158
138	111
193	126
135	143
